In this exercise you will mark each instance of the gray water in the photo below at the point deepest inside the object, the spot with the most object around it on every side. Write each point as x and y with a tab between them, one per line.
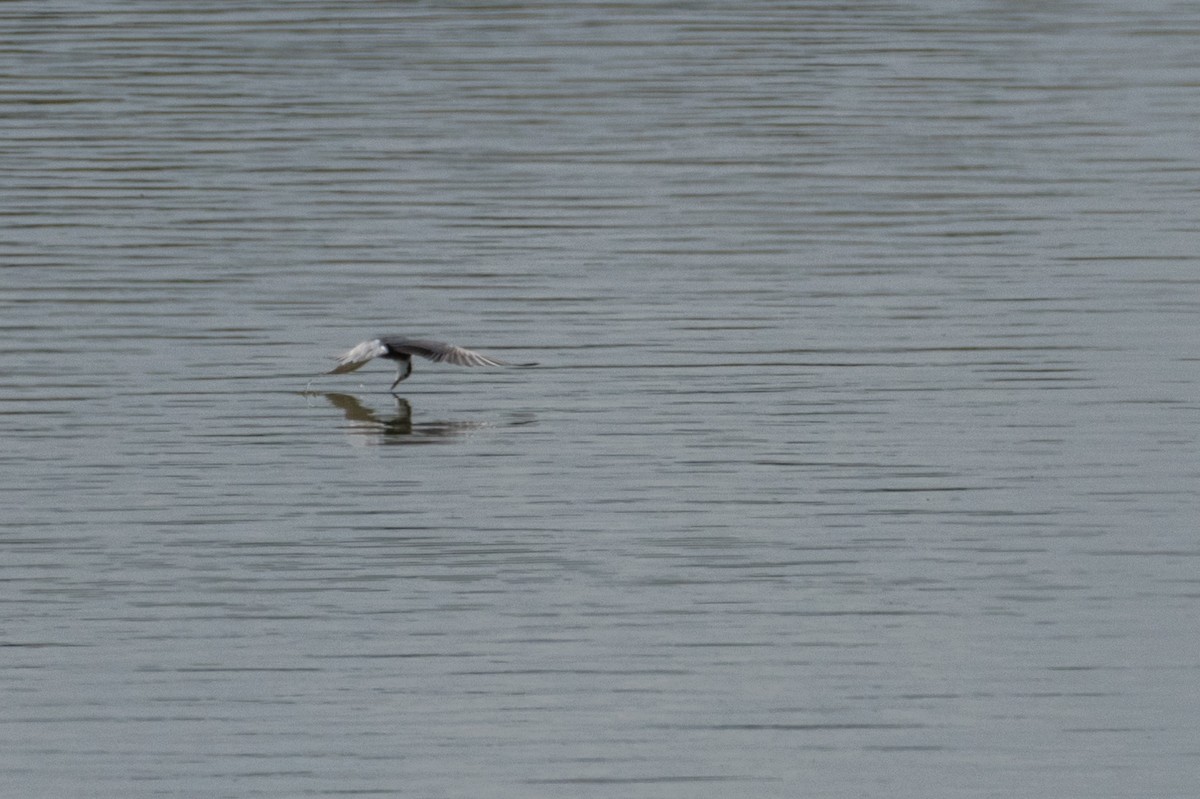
861	460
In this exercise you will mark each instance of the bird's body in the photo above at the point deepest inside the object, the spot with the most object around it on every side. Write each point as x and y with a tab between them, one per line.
401	350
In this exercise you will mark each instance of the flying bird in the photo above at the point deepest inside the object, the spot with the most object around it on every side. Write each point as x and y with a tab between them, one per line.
401	350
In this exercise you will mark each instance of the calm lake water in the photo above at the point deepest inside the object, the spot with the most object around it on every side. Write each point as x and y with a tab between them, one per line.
861	460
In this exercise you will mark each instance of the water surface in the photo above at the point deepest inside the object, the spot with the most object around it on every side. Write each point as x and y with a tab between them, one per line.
861	460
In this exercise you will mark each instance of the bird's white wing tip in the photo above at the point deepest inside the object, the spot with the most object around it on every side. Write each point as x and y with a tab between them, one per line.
357	356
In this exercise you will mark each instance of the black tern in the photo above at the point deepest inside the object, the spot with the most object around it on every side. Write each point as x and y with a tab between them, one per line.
401	350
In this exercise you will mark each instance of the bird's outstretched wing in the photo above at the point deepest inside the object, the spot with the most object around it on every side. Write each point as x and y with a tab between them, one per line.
440	352
358	355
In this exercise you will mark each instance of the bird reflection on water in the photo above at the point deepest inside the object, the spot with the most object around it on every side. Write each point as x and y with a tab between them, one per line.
397	427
